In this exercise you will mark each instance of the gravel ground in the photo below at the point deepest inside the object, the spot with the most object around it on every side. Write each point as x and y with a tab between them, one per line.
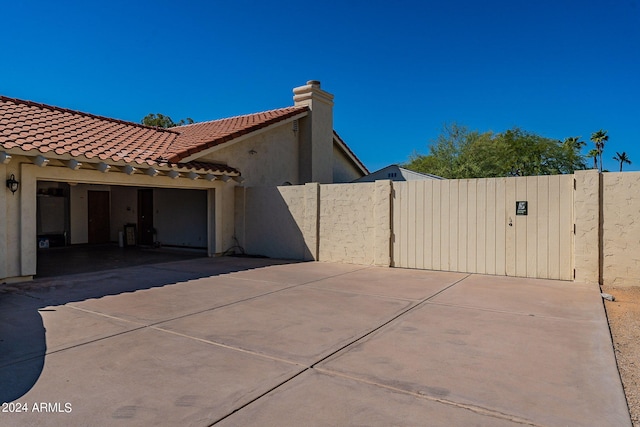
624	321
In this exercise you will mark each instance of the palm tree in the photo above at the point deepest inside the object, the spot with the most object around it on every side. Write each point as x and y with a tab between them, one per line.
574	142
571	146
593	154
599	138
622	158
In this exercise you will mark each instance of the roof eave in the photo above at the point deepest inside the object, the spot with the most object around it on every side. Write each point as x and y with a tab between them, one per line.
192	154
350	154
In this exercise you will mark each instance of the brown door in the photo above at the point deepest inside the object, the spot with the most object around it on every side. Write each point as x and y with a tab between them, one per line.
145	217
98	215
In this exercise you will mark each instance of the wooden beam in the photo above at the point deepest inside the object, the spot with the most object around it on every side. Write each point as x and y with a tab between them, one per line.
4	158
129	170
73	164
151	172
40	161
173	174
103	167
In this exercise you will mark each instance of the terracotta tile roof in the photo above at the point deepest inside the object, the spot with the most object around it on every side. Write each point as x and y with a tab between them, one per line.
31	126
43	128
196	137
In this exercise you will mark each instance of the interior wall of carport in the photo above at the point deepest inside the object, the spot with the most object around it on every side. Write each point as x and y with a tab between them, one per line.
179	215
18	249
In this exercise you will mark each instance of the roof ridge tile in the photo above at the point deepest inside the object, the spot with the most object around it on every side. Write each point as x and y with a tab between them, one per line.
274	110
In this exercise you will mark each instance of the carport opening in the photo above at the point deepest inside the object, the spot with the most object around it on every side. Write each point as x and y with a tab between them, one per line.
88	227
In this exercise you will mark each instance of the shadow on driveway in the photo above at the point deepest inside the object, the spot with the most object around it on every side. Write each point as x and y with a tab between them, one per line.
23	340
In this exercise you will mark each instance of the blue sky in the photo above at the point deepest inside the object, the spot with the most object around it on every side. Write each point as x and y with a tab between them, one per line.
399	70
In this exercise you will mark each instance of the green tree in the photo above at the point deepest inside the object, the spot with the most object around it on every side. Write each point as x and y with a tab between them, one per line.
593	154
162	121
622	158
572	146
460	153
599	138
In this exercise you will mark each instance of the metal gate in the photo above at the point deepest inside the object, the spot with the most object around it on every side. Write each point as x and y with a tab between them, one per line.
472	225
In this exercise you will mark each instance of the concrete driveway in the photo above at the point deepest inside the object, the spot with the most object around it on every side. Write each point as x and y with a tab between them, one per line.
238	341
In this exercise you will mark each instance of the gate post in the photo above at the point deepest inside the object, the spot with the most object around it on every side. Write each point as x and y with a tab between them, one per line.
382	201
311	227
586	211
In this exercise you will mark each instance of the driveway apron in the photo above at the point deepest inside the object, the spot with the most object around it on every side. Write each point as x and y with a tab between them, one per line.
238	341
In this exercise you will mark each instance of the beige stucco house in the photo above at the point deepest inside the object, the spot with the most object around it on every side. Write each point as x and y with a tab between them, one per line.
81	178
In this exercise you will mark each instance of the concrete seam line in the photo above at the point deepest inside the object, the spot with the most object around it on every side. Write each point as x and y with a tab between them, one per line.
71	347
473	408
229	347
248	298
97	313
258	397
220	306
422	302
451	285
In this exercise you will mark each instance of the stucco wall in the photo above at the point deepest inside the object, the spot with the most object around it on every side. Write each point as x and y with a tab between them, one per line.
621	229
268	159
586	211
4	213
334	223
124	209
10	230
343	168
180	217
270	221
347	223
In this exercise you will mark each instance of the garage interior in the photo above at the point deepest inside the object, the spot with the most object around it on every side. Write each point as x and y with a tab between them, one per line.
88	227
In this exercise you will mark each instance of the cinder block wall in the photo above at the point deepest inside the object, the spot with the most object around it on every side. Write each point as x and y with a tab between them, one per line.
363	224
335	223
347	223
620	241
270	221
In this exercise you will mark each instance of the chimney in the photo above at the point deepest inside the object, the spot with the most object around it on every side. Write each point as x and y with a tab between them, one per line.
316	133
